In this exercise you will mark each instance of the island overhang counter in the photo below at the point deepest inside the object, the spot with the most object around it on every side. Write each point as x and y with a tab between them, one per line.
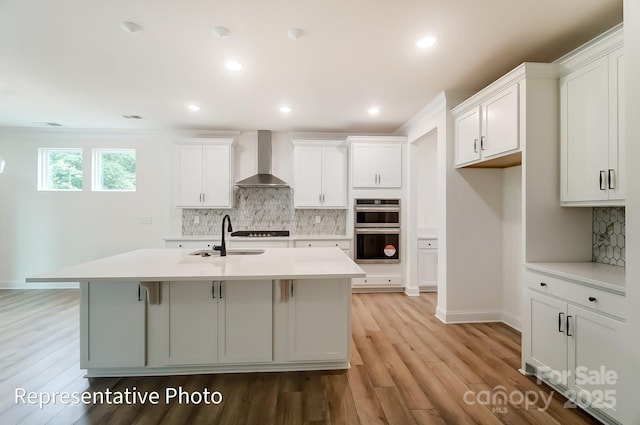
164	311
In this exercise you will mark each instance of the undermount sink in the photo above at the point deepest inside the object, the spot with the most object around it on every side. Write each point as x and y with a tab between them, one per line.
211	253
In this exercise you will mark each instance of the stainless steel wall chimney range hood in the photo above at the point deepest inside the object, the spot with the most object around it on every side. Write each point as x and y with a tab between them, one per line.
264	178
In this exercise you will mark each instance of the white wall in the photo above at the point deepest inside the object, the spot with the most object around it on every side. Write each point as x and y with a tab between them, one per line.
512	256
426	165
628	397
40	231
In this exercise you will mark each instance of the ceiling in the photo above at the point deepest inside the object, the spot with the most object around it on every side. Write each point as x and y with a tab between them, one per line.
70	62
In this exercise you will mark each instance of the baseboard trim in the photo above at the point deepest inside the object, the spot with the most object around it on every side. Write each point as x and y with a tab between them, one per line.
512	321
412	292
477	316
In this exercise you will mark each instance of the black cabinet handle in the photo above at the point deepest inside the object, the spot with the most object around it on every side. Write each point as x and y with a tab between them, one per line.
221	282
612	183
560	322
602	178
543	284
213	289
592	299
139	293
475	145
482	143
568	317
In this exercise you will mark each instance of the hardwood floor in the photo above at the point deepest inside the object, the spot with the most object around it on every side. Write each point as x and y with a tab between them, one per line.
406	368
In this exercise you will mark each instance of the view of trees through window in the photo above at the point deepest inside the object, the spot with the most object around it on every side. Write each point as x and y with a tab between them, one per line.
61	169
115	170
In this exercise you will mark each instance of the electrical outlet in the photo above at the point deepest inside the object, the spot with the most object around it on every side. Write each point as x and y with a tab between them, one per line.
196	219
317	219
145	219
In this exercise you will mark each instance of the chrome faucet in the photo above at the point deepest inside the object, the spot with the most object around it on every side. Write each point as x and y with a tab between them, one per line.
223	247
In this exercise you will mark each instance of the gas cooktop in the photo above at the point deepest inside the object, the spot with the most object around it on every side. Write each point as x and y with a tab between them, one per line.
261	233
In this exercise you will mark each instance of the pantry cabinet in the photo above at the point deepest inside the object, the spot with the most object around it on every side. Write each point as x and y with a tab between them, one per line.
572	339
592	132
376	161
320	174
204	323
205	178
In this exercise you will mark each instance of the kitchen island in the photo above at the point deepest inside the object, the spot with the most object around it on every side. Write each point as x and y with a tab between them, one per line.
164	311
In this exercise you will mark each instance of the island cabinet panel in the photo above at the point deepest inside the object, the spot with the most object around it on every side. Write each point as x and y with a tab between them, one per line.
319	315
212	322
112	332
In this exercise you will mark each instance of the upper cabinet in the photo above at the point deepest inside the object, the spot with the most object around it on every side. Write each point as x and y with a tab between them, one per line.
592	132
487	126
320	174
205	178
376	161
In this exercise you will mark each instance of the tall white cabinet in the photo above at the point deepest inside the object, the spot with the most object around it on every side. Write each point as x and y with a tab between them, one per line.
320	174
592	129
204	173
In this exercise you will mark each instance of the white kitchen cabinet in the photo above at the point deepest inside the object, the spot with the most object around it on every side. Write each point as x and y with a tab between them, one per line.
427	263
113	315
205	178
320	174
206	323
376	161
191	244
343	244
488	127
592	133
572	337
318	311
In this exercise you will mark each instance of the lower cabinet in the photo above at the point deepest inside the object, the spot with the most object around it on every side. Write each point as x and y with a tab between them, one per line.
216	322
112	330
573	348
428	264
319	317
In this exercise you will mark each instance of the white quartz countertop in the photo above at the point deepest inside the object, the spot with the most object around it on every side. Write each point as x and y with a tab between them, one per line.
274	238
594	274
177	264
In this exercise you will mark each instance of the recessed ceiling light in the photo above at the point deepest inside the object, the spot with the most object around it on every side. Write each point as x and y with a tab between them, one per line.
374	110
233	65
194	108
53	124
220	32
426	42
130	26
285	109
131	117
295	33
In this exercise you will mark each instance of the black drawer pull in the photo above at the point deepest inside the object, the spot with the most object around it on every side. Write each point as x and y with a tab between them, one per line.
568	317
592	299
543	284
560	322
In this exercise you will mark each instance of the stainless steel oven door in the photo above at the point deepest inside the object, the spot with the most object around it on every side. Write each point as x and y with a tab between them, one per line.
377	216
375	245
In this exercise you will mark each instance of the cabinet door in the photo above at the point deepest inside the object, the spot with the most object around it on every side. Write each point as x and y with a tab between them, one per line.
319	320
307	176
389	166
584	100
548	336
500	115
245	321
467	136
113	325
595	344
217	189
189	175
617	119
334	176
365	165
190	322
427	267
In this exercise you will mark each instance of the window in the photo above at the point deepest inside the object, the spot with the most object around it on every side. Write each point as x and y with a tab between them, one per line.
114	170
59	169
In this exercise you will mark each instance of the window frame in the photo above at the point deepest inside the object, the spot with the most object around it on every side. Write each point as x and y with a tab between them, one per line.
44	169
96	168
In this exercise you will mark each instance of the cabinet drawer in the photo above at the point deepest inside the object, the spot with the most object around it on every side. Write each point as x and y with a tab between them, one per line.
377	280
427	243
576	293
256	244
190	244
342	244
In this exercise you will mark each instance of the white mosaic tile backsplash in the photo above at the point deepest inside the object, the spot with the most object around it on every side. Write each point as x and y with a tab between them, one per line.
265	209
609	236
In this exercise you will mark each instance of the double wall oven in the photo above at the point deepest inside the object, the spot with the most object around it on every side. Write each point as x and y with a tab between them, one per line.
377	230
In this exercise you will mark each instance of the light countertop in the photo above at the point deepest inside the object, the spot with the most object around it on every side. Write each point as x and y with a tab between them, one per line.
275	238
598	275
176	264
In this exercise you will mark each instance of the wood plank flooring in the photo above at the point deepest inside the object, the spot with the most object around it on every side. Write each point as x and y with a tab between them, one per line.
407	368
